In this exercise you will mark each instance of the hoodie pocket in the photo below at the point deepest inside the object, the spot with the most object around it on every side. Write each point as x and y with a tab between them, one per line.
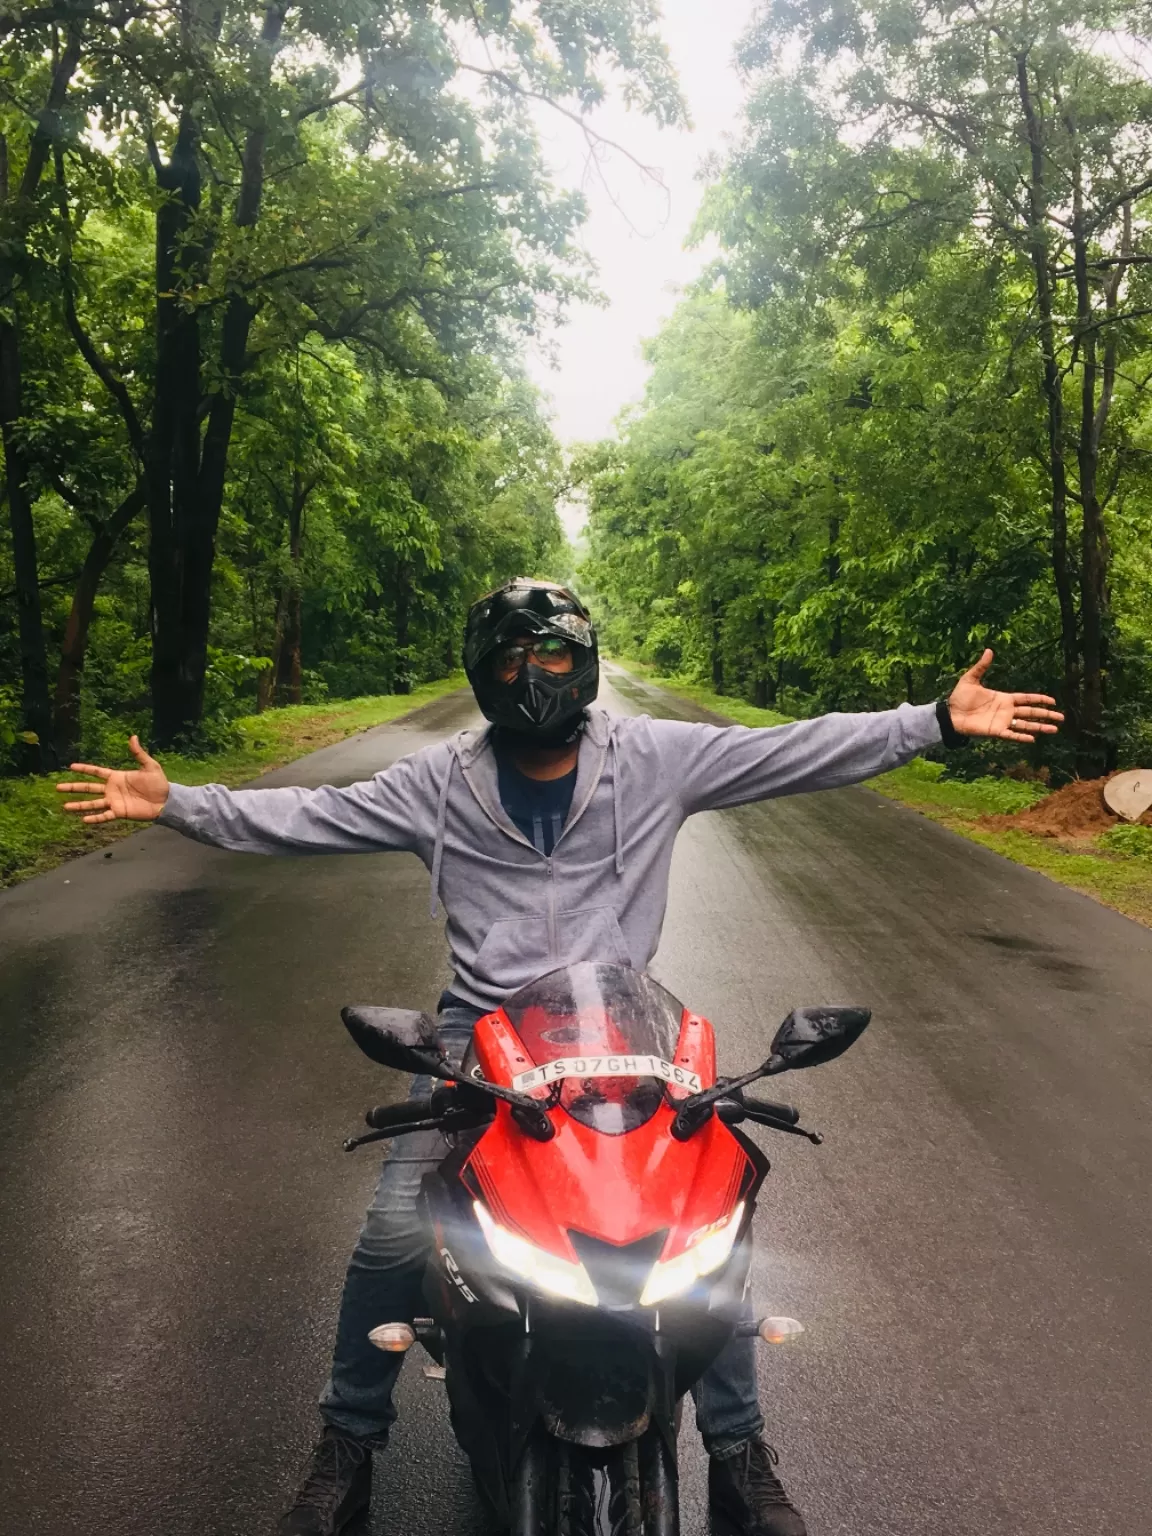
590	934
516	950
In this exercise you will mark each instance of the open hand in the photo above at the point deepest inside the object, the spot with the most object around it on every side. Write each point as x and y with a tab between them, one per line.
137	795
980	711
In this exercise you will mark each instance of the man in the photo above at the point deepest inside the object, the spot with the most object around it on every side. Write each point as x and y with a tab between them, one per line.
549	837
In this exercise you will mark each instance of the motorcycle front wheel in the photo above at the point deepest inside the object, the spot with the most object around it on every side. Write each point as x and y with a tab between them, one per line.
573	1490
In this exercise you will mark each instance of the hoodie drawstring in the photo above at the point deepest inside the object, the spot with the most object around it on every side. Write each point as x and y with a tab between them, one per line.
616	805
441	822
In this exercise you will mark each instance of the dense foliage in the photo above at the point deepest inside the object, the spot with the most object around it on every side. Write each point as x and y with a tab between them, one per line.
907	415
265	274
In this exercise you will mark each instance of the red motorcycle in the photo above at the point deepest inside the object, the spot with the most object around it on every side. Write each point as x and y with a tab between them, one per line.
592	1227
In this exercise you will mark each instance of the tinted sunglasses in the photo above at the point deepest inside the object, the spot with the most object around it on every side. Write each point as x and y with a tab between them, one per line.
549	649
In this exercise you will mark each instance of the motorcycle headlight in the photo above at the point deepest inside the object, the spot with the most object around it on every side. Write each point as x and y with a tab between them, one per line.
707	1251
545	1270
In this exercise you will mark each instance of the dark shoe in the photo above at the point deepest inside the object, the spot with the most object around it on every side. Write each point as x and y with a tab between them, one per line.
746	1496
336	1490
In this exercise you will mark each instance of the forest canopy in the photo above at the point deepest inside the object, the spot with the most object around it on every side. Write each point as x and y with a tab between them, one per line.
906	414
266	278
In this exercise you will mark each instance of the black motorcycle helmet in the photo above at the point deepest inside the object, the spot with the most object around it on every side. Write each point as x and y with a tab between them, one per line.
547	707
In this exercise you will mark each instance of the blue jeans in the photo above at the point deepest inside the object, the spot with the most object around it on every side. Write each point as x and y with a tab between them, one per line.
385	1284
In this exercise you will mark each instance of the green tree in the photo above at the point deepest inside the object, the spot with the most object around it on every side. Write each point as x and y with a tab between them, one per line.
1020	135
402	219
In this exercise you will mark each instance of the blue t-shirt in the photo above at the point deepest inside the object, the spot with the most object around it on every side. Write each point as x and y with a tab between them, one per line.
536	807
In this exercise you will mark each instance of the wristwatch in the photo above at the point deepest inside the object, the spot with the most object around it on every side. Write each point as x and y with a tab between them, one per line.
949	735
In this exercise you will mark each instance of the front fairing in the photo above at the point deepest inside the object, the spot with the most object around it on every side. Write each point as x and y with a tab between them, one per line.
617	1189
594	1179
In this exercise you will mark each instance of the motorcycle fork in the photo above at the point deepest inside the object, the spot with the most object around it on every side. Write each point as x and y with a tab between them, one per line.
566	1490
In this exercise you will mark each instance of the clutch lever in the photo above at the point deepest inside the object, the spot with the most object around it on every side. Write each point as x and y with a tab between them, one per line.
454	1120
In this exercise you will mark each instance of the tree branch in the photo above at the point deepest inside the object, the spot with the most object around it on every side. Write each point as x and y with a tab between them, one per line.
334	101
590	134
1108	261
84	343
48	127
48	581
1129	195
31	17
1116	319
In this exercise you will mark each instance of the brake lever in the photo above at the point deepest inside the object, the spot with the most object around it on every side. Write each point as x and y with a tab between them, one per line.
775	1124
733	1113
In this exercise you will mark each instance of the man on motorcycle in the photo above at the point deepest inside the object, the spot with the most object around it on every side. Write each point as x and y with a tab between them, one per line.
549	836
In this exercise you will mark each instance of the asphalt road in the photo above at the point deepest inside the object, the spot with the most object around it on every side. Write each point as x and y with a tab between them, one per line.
971	1249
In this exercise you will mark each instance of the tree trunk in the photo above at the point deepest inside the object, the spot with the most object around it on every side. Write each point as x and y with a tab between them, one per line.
763	683
1095	407
186	481
832	567
75	645
1053	395
36	705
36	701
266	682
401	627
174	451
1090	746
717	646
290	676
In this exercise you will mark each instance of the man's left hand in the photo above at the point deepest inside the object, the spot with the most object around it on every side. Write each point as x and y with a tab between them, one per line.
980	711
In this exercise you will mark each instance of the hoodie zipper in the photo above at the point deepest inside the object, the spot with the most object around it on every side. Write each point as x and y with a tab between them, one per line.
553	941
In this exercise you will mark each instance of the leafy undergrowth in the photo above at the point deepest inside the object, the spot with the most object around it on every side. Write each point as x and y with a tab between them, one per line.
1114	867
36	835
921	783
1136	842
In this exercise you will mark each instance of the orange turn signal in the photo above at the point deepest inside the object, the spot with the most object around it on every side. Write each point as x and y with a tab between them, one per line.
779	1330
393	1337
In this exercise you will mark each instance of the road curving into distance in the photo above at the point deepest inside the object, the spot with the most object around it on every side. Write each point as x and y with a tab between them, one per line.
971	1250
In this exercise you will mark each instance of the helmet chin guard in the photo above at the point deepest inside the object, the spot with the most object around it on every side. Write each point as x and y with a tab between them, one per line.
542	707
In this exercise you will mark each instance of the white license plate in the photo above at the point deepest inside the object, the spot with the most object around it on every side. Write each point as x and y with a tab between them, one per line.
606	1066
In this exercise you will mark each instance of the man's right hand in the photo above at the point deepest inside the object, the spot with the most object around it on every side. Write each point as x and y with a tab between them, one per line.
138	795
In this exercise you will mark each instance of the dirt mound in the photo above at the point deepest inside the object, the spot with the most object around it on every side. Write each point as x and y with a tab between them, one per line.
1077	810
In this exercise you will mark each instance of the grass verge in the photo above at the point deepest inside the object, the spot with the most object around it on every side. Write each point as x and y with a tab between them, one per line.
1115	869
36	835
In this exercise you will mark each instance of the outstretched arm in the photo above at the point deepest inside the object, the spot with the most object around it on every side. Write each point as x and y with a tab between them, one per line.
380	814
721	766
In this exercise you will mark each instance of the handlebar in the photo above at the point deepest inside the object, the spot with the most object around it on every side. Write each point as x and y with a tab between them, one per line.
385	1116
777	1111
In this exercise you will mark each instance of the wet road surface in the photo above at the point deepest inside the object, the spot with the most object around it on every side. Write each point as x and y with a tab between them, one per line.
971	1249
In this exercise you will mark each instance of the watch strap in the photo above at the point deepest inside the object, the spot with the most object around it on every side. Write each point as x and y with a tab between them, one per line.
949	735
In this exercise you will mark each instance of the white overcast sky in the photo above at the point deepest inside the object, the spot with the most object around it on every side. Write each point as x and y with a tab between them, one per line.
635	232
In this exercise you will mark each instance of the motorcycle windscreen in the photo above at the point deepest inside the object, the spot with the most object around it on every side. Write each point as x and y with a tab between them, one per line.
603	1037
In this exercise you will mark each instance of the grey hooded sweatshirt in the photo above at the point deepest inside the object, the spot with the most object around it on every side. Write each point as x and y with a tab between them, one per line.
512	913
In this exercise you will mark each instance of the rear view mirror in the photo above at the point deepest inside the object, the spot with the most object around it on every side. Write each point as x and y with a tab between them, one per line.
810	1036
396	1037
